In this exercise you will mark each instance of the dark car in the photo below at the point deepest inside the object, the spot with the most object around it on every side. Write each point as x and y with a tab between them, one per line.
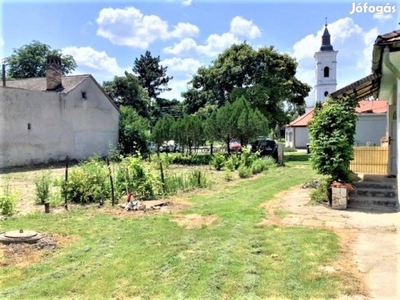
265	146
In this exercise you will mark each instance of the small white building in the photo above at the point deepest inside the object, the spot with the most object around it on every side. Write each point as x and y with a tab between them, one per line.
370	126
43	120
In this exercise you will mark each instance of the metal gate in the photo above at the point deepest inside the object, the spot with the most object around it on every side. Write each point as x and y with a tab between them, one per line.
370	160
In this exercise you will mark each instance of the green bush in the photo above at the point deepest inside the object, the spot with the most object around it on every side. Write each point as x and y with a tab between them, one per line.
233	162
88	182
247	158
320	194
332	132
42	185
228	175
244	172
134	176
192	160
7	201
218	161
257	167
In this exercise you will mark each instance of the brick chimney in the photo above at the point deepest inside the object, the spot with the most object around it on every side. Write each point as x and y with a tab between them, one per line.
54	72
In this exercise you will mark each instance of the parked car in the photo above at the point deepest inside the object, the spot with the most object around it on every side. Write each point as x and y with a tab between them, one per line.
235	146
265	146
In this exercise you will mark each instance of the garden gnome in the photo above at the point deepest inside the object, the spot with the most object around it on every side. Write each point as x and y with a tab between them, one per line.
130	203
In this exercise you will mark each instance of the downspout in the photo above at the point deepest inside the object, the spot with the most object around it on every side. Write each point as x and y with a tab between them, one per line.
389	64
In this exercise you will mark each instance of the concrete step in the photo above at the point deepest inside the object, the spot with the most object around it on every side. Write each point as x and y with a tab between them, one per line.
374	185
373	192
373	204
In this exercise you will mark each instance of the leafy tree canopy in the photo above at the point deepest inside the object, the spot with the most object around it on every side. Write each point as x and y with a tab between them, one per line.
126	90
134	131
264	77
31	61
152	76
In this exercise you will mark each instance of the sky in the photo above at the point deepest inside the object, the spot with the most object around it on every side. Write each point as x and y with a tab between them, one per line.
105	37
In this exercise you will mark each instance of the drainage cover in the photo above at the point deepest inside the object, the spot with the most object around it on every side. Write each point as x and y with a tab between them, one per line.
20	236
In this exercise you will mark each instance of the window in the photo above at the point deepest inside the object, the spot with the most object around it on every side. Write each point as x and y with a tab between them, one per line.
84	95
326	72
326	93
29	126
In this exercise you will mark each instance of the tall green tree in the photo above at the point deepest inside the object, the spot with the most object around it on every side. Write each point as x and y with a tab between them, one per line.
189	132
332	131
152	76
31	60
126	90
264	77
133	131
162	131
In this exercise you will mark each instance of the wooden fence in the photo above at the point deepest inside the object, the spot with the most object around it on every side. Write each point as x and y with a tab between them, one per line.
370	160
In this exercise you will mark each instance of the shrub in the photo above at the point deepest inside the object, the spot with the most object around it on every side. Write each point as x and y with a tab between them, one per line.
87	182
7	201
198	178
194	160
42	185
132	175
218	161
320	193
233	162
332	132
257	167
247	157
228	175
244	172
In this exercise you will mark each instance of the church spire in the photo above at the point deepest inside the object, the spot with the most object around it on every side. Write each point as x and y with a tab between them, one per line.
326	39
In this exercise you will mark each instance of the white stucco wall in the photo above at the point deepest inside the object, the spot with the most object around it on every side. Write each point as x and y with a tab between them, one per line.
370	128
60	125
289	142
301	137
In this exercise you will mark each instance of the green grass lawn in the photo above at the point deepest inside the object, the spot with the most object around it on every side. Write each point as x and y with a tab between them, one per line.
155	258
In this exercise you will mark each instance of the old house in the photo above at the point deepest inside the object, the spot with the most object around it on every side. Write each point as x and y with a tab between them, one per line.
45	119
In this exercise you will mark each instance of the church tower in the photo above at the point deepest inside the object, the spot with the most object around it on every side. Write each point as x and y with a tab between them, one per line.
325	68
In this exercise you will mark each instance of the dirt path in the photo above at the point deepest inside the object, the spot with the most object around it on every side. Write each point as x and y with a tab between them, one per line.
372	239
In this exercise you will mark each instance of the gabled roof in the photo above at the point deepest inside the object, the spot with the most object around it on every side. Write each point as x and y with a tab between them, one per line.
303	120
366	107
69	83
39	83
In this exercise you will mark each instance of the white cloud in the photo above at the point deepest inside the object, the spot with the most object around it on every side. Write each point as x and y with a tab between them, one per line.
183	30
130	27
383	17
177	87
187	2
96	61
243	27
216	43
184	46
187	66
365	61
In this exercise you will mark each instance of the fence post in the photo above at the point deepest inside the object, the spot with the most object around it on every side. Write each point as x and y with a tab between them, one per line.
111	182
66	181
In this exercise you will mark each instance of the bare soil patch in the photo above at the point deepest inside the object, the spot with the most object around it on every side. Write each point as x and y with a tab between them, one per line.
22	255
370	269
195	221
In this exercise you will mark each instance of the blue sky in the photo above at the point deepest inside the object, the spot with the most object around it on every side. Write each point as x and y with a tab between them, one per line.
105	37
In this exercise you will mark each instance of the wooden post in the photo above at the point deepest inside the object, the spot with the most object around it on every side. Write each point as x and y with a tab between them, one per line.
66	181
162	176
111	182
